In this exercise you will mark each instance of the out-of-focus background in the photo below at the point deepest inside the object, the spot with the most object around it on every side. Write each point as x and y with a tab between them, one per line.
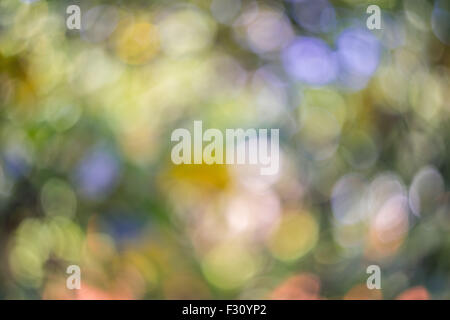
86	177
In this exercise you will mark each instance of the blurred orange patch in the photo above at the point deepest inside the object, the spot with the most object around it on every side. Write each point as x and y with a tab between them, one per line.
301	287
361	292
415	293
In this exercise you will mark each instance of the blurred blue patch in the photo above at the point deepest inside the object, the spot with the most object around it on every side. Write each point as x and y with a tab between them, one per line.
124	228
97	173
15	165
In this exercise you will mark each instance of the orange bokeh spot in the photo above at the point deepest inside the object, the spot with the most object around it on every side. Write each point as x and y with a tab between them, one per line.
361	292
415	293
301	287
